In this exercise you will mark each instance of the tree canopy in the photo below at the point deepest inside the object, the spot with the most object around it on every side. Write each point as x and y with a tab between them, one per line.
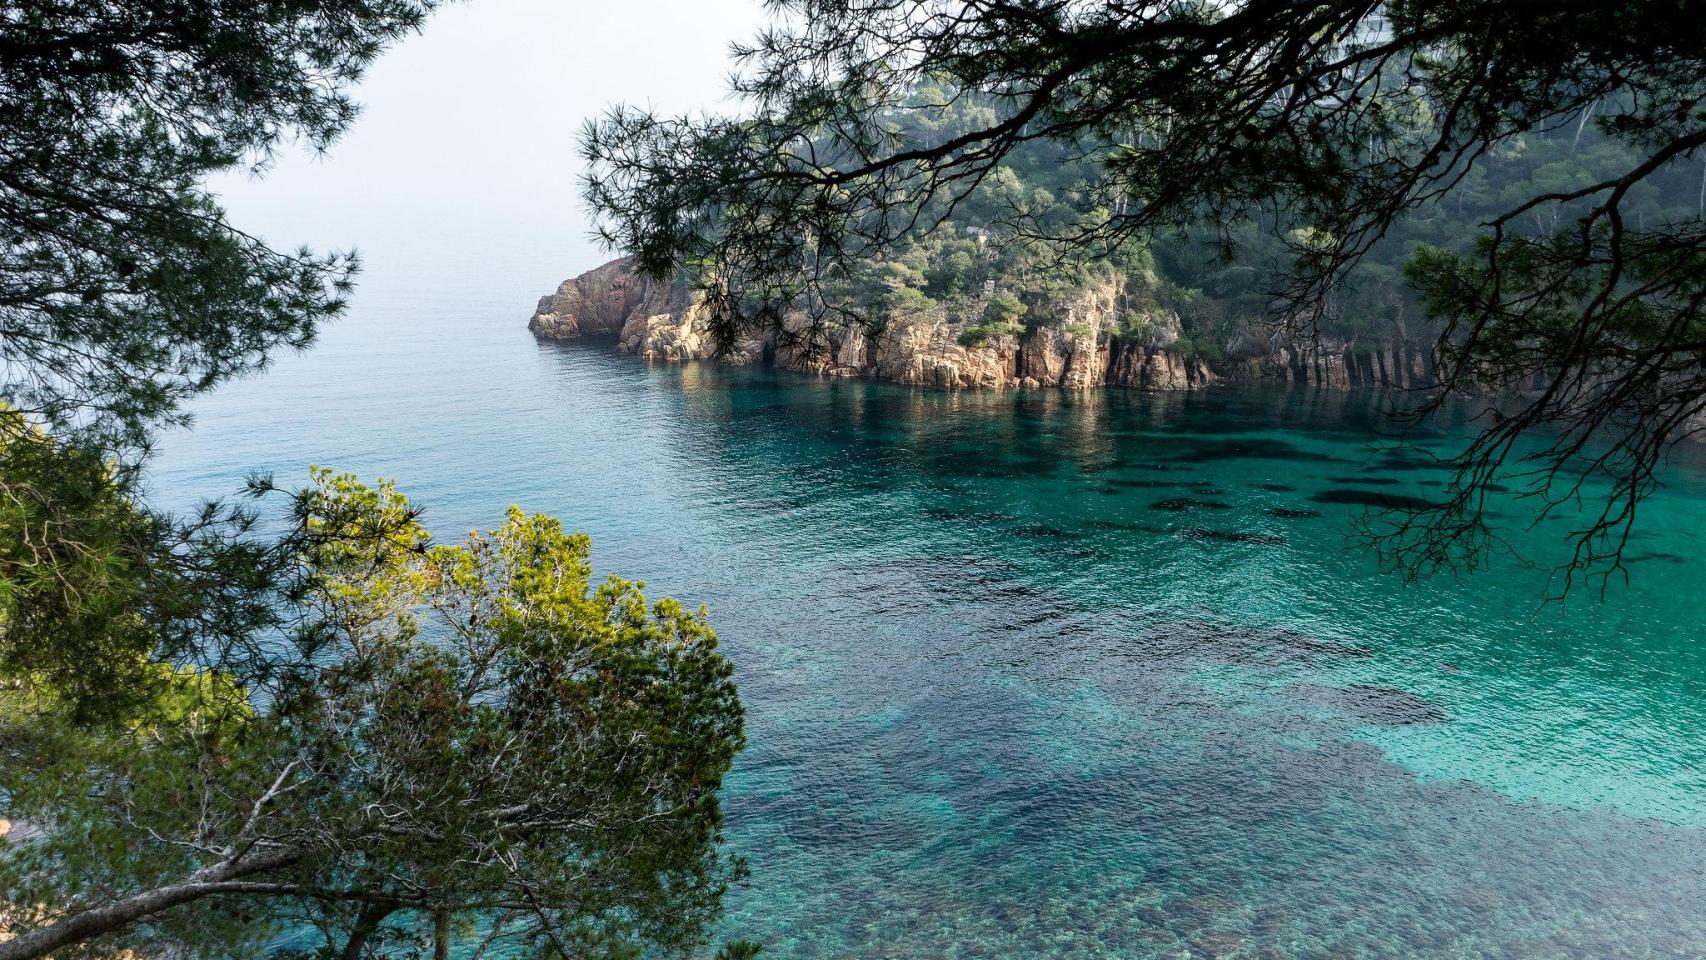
123	287
1333	129
472	735
308	729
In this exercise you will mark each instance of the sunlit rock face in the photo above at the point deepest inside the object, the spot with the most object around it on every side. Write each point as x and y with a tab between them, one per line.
597	303
1073	342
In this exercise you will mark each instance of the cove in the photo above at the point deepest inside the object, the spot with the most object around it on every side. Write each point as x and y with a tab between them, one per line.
1000	706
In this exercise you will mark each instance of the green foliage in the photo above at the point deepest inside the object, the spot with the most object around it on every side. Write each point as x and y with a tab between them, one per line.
906	302
81	800
96	591
1001	318
214	728
1003	309
123	288
1205	349
447	729
72	573
979	333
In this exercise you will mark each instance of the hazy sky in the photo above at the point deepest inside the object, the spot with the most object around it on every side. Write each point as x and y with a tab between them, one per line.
475	118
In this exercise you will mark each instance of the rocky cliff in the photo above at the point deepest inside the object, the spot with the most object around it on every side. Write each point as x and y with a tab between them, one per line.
1074	342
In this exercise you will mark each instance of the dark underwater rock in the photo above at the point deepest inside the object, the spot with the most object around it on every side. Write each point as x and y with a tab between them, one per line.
1371	498
1209	451
1294	513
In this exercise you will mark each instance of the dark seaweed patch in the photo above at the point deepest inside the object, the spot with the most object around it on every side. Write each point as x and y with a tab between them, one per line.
1247	646
1036	466
1412	461
1043	531
1143	484
1660	556
1294	513
1386	706
1372	498
968	516
1127	527
1183	504
1208	451
1232	536
1276	487
1369	481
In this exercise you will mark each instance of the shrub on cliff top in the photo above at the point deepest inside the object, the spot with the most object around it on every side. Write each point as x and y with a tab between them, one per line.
1003	309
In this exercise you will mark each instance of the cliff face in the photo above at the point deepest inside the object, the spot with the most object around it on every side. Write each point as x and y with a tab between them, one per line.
654	320
1399	364
597	303
1073	343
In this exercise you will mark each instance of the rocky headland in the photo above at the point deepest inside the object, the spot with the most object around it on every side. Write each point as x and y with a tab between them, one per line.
1073	342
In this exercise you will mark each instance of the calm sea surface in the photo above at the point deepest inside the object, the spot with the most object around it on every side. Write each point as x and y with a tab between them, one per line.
1001	703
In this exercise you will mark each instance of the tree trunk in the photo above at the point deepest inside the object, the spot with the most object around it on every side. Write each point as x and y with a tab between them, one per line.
207	882
441	935
366	922
1587	114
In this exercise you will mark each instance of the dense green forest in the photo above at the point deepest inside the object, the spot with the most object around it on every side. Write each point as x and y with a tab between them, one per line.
992	258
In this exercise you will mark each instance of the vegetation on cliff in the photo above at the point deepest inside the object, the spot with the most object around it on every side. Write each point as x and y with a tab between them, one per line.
1009	236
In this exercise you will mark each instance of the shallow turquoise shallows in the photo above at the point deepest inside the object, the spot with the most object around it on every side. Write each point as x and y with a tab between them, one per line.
1043	675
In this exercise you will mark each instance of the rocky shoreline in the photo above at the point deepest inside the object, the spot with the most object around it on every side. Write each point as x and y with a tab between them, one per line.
1072	344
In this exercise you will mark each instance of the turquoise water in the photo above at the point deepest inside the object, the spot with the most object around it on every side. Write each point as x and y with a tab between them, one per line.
1002	704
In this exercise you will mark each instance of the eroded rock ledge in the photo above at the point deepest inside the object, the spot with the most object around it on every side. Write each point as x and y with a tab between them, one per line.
1072	344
